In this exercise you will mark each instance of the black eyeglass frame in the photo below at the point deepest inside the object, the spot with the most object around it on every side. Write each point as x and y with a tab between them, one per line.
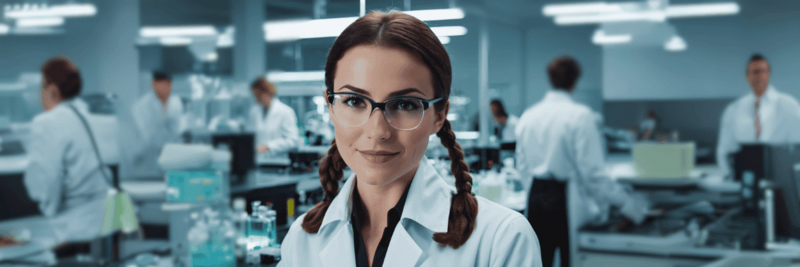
382	105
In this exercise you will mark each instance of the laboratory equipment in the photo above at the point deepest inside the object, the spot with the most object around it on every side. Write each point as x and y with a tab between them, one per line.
770	191
663	160
242	147
239	217
304	161
212	240
488	157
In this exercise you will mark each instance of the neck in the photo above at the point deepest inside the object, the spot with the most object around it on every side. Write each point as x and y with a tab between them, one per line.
759	93
377	200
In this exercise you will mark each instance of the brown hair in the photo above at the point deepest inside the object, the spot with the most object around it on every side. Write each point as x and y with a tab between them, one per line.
563	72
402	31
263	85
64	74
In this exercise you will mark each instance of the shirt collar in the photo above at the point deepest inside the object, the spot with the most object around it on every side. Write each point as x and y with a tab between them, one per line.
557	95
768	95
429	206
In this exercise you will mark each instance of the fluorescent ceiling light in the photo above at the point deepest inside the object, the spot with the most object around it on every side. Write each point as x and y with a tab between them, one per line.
40	22
444	39
298	76
675	44
600	38
68	10
437	14
449	30
653	16
280	31
702	10
4	29
205	30
175	41
580	8
601	12
290	30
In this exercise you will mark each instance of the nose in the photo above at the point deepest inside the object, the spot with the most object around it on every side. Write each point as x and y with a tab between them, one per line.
379	128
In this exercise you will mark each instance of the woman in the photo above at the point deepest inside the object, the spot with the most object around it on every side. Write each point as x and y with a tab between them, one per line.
64	173
388	83
274	122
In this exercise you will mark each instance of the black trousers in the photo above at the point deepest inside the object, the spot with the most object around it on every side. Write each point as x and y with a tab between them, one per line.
547	213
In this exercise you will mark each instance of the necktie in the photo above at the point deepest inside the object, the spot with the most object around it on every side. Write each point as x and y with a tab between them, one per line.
757	120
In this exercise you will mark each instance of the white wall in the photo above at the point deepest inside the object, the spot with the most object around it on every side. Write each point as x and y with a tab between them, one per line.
714	63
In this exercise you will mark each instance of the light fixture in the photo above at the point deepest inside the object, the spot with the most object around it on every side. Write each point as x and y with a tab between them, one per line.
600	38
437	14
226	38
171	31
67	10
611	17
449	30
290	30
653	11
701	10
444	39
4	29
675	44
296	76
580	8
175	41
40	22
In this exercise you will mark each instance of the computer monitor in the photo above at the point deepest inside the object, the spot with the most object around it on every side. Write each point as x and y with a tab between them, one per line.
785	176
780	165
243	149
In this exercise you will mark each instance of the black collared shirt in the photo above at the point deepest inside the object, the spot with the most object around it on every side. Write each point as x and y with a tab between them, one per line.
360	247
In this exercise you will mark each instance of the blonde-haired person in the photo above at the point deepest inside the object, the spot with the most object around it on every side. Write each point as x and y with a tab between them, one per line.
388	82
274	122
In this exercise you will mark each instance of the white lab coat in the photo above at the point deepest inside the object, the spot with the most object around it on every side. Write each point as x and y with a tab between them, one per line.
501	237
154	127
560	137
509	128
779	114
277	129
64	175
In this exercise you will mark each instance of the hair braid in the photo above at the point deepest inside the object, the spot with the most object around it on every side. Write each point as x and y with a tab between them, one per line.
464	206
330	173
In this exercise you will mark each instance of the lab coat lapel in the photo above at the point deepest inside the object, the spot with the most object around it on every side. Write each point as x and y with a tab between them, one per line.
403	251
340	250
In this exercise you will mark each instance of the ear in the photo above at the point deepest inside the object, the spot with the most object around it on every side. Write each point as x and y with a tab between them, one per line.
55	94
439	117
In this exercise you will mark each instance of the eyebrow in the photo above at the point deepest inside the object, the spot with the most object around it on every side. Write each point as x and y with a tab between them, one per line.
393	94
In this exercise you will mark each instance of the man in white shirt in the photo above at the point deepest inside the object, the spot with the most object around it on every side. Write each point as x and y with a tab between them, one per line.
506	122
765	115
157	120
558	143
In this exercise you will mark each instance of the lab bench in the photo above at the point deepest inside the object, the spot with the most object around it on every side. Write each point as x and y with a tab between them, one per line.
677	240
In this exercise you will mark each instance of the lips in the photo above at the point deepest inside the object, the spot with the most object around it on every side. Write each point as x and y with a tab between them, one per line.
378	156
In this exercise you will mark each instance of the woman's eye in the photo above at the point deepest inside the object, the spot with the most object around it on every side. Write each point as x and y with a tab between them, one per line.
406	105
354	102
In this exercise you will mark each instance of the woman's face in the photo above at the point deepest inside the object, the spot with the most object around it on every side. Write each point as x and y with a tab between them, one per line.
378	153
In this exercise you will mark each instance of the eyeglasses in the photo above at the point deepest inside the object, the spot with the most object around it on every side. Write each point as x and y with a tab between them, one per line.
402	113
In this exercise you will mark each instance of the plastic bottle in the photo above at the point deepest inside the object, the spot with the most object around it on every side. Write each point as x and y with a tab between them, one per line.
272	216
239	220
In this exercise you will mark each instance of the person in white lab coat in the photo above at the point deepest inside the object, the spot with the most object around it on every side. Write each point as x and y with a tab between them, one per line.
558	144
396	210
65	175
765	115
274	122
507	122
157	117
